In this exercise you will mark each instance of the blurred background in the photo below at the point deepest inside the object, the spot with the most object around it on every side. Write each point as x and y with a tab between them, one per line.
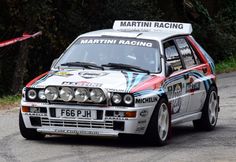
61	21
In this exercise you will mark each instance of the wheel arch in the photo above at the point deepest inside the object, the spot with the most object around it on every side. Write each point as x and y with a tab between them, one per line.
214	85
164	95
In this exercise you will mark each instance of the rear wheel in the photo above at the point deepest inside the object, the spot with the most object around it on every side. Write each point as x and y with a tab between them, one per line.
159	125
209	113
28	133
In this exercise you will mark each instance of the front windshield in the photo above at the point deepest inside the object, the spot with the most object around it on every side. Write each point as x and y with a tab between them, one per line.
103	50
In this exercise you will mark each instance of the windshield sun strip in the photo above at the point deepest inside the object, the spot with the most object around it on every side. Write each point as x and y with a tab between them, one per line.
158	61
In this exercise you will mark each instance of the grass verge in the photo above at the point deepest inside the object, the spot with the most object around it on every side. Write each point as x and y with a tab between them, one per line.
226	66
10	101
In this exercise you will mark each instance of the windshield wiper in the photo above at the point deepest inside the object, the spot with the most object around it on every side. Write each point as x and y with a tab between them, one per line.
126	67
83	64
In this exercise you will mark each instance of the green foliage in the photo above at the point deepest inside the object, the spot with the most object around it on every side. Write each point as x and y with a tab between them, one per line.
217	33
11	99
227	65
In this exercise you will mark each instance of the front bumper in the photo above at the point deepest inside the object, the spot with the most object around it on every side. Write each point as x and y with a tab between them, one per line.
80	131
106	126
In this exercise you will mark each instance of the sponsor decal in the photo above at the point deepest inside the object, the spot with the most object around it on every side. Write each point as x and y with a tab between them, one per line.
206	80
88	132
184	48
191	87
63	74
82	84
146	100
90	75
119	41
167	25
144	113
177	92
35	114
140	129
116	118
39	86
76	132
142	121
115	90
141	125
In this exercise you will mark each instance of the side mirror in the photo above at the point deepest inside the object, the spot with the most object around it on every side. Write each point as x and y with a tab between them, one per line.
54	62
169	69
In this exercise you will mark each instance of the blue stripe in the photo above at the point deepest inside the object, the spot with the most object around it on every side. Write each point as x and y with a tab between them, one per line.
137	80
173	79
145	92
130	77
205	80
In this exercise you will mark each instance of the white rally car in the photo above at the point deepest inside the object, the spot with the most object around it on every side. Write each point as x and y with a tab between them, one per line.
141	77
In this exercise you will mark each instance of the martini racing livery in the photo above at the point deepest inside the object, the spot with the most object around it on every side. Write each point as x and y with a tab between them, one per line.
141	77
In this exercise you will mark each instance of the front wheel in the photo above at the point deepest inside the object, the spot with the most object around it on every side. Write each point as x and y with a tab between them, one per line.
159	125
28	133
209	112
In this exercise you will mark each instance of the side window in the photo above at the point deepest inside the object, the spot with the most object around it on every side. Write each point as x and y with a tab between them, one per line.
172	55
195	56
186	52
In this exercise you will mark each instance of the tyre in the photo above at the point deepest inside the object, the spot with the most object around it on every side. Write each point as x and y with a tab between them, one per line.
209	112
28	133
159	126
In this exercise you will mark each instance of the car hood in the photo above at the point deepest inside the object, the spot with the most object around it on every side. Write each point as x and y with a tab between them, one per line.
115	81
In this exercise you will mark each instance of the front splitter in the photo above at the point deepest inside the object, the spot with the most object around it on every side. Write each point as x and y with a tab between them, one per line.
82	132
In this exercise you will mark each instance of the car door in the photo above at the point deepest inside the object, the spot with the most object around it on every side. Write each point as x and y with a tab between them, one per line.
175	84
195	86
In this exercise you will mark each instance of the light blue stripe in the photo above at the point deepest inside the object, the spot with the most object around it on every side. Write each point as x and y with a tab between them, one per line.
130	77
144	92
203	78
137	80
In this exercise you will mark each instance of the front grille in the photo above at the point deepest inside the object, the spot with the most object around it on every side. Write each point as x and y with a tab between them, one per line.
76	123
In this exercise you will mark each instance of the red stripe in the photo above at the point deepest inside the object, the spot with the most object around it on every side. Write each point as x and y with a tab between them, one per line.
201	55
22	38
194	45
153	83
36	79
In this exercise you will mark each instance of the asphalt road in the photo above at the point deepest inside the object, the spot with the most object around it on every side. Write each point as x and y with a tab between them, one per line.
185	145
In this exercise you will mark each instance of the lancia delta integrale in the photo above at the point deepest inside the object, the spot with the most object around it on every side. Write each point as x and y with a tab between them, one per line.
141	77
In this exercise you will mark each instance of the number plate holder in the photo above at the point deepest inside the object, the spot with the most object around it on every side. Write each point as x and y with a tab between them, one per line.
76	114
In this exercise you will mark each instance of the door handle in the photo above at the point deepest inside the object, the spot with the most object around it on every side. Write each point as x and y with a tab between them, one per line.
186	76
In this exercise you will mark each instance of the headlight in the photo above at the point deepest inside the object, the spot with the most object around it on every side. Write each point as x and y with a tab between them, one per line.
66	94
81	94
51	93
32	94
41	95
116	98
128	99
97	95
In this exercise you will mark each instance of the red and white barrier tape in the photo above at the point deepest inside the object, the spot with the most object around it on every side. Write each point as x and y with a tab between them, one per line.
19	39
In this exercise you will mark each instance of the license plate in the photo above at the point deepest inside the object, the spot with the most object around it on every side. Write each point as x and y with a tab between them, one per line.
74	113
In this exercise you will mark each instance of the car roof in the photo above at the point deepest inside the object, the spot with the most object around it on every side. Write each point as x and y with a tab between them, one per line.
158	36
158	33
